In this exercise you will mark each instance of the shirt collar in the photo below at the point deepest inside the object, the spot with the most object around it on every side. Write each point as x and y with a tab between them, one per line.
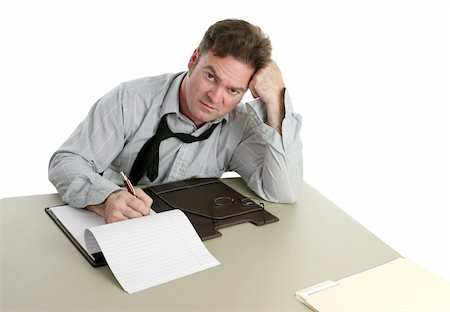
171	102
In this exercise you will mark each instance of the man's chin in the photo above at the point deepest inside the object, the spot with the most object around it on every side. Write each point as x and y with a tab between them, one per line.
206	115
201	119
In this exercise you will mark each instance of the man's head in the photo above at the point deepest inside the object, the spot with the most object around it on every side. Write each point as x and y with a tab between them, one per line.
221	68
240	39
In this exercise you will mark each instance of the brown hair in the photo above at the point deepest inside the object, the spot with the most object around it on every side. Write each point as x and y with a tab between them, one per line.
240	39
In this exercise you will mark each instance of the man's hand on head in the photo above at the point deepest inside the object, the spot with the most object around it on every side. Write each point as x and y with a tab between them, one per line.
267	84
123	205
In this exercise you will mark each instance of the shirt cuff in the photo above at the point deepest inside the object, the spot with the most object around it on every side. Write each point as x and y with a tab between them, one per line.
89	190
291	124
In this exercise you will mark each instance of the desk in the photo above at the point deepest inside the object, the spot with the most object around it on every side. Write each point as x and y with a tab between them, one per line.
261	267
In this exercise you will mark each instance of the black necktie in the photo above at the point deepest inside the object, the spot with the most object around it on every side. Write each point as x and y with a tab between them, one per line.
148	157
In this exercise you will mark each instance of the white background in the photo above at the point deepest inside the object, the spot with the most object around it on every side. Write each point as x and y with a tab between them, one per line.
370	78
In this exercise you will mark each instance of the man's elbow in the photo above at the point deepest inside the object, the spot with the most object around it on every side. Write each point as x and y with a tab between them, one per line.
285	196
287	199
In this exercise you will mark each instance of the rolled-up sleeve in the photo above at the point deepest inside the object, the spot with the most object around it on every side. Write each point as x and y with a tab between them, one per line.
75	168
270	163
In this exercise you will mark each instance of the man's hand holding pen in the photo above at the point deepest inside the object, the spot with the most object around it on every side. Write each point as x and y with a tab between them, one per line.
123	205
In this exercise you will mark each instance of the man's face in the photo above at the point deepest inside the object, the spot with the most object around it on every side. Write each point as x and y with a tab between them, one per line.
213	86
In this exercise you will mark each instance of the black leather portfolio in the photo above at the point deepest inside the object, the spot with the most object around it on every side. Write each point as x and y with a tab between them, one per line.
209	204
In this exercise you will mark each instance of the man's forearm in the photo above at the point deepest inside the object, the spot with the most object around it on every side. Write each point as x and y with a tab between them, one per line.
280	175
77	182
275	172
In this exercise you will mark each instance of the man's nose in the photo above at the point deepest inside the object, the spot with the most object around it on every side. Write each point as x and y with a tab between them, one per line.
216	94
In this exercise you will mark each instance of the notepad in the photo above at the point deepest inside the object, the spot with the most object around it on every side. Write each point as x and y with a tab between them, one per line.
399	285
142	252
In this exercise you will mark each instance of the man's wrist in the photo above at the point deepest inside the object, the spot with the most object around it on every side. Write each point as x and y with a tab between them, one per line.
98	209
276	112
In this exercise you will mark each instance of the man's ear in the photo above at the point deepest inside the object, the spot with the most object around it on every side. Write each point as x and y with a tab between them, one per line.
194	58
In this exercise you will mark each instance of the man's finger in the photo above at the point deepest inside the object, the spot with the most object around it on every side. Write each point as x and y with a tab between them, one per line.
145	199
131	213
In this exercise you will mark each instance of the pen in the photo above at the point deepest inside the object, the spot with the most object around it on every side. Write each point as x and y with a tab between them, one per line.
128	184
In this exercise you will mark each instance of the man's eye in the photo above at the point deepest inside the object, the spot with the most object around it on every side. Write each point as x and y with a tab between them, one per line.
234	91
210	76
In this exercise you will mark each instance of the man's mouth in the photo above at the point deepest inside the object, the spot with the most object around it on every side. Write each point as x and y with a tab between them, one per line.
208	106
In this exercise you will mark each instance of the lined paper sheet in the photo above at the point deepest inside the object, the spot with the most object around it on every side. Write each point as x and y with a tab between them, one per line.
76	221
148	251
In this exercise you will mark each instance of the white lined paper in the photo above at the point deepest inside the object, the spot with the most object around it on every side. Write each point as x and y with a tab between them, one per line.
76	221
142	252
148	251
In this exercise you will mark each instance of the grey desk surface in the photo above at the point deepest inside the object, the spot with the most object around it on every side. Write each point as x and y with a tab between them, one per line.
261	267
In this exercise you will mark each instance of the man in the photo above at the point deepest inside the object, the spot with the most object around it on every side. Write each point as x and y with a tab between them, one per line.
259	140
